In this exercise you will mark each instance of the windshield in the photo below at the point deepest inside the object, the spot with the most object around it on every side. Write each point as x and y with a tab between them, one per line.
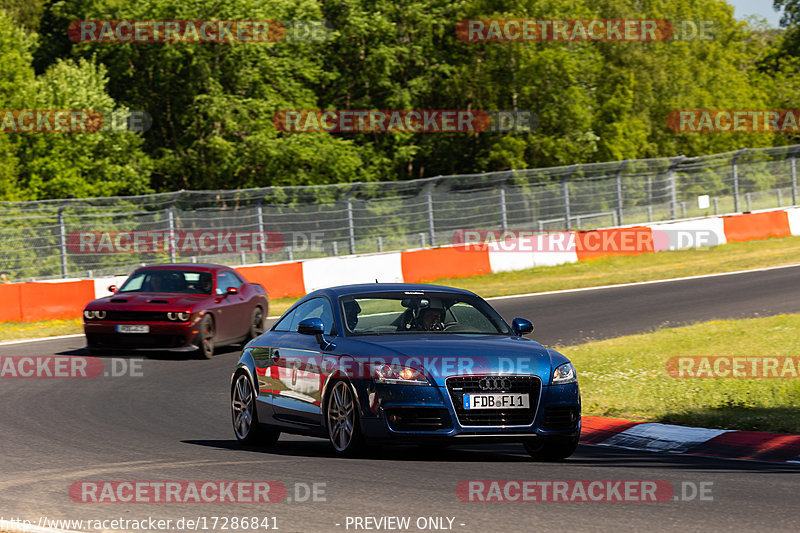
182	281
406	313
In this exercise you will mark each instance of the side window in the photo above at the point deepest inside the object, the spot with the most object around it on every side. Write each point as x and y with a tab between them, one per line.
285	324
314	308
225	280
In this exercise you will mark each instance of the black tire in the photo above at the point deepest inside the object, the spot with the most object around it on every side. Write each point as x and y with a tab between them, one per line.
205	338
244	414
343	421
552	449
257	325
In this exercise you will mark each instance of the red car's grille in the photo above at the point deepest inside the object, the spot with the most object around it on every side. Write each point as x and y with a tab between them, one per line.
135	340
136	316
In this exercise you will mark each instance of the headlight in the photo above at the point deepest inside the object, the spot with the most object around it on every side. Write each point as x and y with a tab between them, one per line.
89	315
564	374
171	316
398	374
101	315
183	317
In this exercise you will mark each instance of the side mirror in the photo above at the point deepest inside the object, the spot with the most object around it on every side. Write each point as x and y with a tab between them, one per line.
232	290
311	326
521	327
314	326
112	288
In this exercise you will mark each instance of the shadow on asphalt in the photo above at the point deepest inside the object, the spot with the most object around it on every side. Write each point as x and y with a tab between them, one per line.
586	456
157	355
321	448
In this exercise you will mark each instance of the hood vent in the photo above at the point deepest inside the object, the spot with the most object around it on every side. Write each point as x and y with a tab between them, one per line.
157	301
118	300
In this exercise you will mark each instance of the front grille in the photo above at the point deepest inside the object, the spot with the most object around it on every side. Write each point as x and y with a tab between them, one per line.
458	386
562	417
134	340
136	316
418	418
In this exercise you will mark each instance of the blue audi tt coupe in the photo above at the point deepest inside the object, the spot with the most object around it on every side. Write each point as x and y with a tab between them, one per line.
391	362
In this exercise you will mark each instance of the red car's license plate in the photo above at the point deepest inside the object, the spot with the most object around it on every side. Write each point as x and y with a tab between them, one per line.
133	328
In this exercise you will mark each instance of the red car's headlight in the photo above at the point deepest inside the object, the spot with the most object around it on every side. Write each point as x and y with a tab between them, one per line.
178	316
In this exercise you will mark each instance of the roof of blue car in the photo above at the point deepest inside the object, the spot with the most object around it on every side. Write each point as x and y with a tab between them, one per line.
362	288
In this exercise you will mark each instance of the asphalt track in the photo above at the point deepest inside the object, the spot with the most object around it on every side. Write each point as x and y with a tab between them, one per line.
173	423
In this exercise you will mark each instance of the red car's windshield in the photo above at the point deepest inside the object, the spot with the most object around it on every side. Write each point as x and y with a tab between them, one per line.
182	281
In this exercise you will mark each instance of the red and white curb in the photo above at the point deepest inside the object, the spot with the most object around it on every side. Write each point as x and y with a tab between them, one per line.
725	443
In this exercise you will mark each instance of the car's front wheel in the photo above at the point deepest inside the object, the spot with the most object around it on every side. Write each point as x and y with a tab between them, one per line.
206	338
344	428
245	417
552	448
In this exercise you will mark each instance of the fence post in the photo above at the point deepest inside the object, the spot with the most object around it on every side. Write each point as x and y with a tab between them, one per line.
350	228
673	187
63	239
503	212
171	225
565	195
736	180
262	256
618	178
794	176
429	202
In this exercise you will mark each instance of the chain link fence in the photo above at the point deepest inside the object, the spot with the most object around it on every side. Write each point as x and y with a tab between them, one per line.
40	240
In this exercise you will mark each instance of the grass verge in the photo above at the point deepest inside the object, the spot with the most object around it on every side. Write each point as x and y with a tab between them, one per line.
44	328
627	377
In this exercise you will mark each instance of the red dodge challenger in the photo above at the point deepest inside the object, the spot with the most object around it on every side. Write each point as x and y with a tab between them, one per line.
177	307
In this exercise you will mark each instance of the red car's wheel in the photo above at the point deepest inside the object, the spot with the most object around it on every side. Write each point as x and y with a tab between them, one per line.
206	338
257	326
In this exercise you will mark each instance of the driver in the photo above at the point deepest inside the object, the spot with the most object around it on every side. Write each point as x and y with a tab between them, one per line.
351	310
431	319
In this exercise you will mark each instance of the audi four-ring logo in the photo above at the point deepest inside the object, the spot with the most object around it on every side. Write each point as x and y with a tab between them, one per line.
494	384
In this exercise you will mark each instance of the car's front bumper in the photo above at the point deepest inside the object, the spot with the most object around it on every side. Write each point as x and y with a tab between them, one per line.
389	412
182	337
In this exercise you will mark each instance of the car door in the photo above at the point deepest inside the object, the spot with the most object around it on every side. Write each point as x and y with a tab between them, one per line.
298	366
233	312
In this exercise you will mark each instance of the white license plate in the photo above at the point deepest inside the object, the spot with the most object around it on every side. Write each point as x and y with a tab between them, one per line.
133	328
496	401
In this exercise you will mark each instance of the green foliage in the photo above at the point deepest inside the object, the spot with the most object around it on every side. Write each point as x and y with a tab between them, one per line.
212	105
